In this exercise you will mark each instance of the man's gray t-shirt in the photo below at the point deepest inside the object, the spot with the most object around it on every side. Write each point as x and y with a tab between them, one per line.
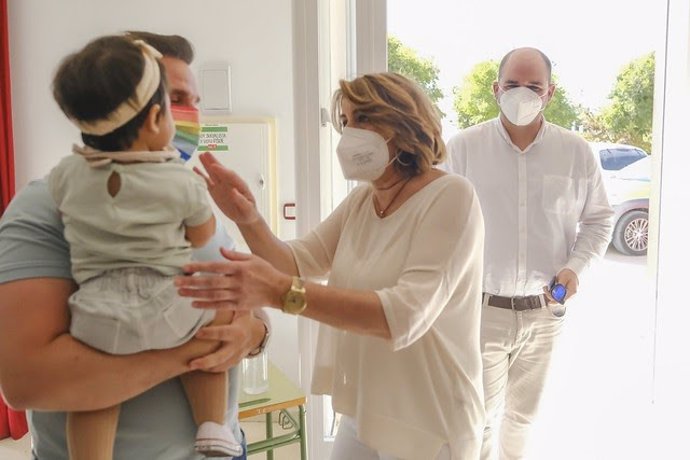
156	425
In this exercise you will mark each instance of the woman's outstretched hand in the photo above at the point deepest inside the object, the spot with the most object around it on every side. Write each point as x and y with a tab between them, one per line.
243	282
228	190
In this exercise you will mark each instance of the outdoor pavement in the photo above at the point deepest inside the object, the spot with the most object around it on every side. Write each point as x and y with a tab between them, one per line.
597	404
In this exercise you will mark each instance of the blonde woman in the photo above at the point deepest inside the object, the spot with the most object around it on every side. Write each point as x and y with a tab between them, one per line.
399	342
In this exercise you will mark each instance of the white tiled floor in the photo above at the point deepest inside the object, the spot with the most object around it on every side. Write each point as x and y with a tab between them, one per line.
598	402
15	450
254	429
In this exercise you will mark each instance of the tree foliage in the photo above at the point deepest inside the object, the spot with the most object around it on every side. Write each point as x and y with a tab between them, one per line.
592	126
405	61
628	118
474	102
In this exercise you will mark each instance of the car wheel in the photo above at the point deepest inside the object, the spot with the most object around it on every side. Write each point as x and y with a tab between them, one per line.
631	235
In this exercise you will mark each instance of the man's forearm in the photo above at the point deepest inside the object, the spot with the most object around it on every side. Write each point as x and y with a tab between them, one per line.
590	245
43	367
66	375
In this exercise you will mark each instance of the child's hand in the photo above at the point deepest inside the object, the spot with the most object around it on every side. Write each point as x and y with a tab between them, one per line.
228	190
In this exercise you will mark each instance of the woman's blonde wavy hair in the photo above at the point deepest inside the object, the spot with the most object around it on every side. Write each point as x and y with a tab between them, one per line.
402	112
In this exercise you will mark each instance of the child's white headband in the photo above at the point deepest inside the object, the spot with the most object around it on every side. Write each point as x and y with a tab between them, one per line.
150	81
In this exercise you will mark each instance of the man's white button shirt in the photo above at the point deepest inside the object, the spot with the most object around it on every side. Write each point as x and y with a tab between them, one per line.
545	208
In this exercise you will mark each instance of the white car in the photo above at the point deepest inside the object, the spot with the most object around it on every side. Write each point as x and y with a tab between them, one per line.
614	157
626	171
628	192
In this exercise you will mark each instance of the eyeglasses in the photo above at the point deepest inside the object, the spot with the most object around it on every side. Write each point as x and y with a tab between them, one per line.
538	90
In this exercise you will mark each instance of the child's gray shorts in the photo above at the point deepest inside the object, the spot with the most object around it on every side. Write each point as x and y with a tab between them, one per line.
131	310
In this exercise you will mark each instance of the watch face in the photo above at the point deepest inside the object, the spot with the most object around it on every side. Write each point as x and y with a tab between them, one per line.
294	302
293	297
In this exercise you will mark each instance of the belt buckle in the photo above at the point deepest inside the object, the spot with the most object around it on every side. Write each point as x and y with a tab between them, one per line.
512	303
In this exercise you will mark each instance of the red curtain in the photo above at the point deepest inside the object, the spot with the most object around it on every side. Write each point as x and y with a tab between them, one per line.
12	423
6	146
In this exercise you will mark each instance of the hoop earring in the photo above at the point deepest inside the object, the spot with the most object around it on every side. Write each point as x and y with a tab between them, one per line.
402	163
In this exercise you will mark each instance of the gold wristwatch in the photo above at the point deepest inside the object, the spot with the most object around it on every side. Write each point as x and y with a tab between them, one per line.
295	300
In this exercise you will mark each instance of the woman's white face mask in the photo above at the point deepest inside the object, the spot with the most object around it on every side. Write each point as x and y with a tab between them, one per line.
363	154
520	105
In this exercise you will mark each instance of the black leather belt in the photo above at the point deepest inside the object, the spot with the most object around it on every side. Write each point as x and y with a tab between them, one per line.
531	302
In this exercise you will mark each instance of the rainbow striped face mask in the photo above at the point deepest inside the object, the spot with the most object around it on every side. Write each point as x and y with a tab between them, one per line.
187	129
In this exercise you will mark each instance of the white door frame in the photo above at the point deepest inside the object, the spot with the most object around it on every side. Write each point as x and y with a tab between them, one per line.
671	358
370	42
669	248
309	184
322	30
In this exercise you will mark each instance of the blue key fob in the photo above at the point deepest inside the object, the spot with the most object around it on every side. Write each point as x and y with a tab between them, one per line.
557	291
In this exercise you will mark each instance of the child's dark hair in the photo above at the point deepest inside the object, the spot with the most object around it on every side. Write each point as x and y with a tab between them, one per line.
91	84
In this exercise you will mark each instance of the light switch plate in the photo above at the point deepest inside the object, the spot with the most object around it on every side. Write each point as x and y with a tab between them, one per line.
215	89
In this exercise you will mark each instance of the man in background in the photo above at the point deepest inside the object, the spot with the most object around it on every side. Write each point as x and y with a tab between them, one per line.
547	218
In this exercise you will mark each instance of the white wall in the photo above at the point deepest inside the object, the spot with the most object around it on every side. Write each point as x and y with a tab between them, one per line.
253	36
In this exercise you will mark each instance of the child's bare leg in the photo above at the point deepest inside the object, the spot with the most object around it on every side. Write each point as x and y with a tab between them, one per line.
208	395
91	434
207	392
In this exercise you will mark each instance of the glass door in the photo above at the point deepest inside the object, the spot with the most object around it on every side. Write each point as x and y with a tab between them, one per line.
627	95
606	92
